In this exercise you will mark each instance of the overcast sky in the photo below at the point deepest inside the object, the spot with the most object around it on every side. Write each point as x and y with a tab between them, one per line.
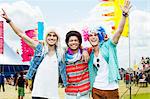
66	14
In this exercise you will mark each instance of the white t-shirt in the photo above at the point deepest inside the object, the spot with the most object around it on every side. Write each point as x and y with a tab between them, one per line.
101	80
46	79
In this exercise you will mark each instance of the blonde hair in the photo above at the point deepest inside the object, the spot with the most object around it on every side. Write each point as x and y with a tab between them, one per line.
57	45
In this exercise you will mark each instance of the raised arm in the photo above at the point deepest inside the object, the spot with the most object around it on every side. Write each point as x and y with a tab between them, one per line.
125	9
19	32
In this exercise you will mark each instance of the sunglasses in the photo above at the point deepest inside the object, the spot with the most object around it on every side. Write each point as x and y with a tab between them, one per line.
98	65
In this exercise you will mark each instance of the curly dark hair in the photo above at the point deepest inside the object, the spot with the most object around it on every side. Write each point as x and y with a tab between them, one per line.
73	33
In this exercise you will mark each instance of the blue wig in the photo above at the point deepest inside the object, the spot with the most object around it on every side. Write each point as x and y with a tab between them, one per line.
101	33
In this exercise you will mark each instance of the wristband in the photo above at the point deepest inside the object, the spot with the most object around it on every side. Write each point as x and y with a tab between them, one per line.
125	14
8	20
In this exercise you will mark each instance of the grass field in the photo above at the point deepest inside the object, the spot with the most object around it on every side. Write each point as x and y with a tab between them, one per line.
137	92
139	96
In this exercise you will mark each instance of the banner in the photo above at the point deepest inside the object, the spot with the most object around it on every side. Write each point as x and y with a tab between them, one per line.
40	30
112	13
1	37
27	51
118	15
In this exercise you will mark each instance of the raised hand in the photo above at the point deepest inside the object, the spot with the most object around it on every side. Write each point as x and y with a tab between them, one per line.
4	15
125	10
126	7
18	31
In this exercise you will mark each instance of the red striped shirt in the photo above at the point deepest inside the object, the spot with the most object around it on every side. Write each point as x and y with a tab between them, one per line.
78	78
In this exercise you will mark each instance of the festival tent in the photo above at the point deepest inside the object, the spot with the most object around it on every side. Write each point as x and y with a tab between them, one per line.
11	62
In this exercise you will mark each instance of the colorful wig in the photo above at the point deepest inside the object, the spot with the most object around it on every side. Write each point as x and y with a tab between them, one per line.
100	31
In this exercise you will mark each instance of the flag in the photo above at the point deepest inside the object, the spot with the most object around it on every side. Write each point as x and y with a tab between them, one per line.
107	13
112	14
27	51
40	30
1	37
118	15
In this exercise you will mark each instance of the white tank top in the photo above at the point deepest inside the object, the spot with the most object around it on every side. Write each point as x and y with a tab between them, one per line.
101	80
46	79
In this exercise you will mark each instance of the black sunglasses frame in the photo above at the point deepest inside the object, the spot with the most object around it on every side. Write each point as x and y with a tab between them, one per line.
98	65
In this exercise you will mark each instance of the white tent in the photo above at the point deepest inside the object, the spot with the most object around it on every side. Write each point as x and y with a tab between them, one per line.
10	57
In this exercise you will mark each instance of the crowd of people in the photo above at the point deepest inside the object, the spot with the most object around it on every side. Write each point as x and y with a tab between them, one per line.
138	76
85	72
